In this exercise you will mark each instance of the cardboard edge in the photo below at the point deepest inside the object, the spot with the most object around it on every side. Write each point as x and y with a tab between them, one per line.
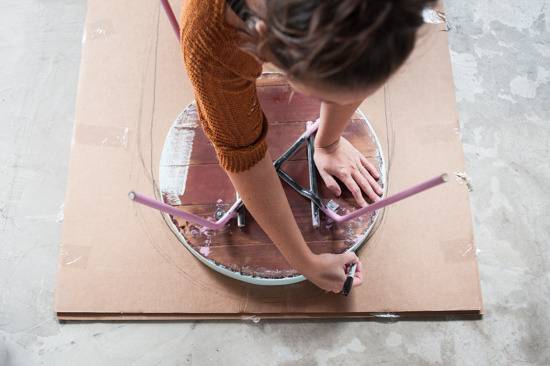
376	316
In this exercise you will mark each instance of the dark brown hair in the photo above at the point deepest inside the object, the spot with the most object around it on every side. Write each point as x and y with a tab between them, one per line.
342	43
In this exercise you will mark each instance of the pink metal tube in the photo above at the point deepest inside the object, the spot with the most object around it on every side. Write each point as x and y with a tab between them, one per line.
388	200
214	225
232	212
171	17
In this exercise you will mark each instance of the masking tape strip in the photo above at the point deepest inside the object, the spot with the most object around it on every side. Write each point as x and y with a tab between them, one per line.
433	16
254	318
463	178
458	250
98	30
105	136
437	133
388	316
76	256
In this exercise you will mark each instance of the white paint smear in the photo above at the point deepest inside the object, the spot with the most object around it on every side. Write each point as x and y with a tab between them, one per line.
176	153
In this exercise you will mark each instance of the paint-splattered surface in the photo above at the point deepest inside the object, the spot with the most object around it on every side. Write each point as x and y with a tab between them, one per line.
192	180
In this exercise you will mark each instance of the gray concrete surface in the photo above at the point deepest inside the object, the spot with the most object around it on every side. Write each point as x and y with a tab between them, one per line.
501	59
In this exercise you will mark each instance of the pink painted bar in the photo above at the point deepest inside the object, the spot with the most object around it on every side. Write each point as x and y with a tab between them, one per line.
171	17
214	225
388	200
232	212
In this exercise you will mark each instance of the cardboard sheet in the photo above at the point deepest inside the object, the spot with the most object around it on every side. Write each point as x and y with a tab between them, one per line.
118	260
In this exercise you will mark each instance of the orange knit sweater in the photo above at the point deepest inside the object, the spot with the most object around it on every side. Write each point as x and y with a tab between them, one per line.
223	78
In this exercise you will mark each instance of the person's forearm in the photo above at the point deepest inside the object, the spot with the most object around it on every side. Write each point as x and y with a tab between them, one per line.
264	197
333	120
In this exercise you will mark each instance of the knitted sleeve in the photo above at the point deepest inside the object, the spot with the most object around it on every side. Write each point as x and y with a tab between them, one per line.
226	99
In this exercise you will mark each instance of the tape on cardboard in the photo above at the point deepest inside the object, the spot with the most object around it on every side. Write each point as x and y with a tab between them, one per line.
76	256
433	16
463	178
98	30
104	136
457	250
438	133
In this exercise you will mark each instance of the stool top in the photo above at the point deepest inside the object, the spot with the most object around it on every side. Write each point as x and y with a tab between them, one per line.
191	179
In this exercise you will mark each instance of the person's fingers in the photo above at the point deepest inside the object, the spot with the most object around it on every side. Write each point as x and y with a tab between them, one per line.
339	284
352	186
373	183
331	183
358	274
370	167
349	258
365	186
332	288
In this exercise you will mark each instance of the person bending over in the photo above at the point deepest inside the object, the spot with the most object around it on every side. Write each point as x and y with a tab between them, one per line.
338	51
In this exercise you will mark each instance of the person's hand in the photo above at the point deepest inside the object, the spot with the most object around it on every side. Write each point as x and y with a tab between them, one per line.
328	271
343	161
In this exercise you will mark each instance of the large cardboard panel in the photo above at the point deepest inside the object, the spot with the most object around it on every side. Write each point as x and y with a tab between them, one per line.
118	260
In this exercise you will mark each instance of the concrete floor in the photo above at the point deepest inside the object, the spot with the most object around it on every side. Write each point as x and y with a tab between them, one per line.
501	59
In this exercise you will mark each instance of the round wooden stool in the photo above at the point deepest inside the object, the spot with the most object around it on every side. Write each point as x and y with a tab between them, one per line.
191	179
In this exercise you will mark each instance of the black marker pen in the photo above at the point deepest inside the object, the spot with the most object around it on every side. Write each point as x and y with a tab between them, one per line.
349	280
